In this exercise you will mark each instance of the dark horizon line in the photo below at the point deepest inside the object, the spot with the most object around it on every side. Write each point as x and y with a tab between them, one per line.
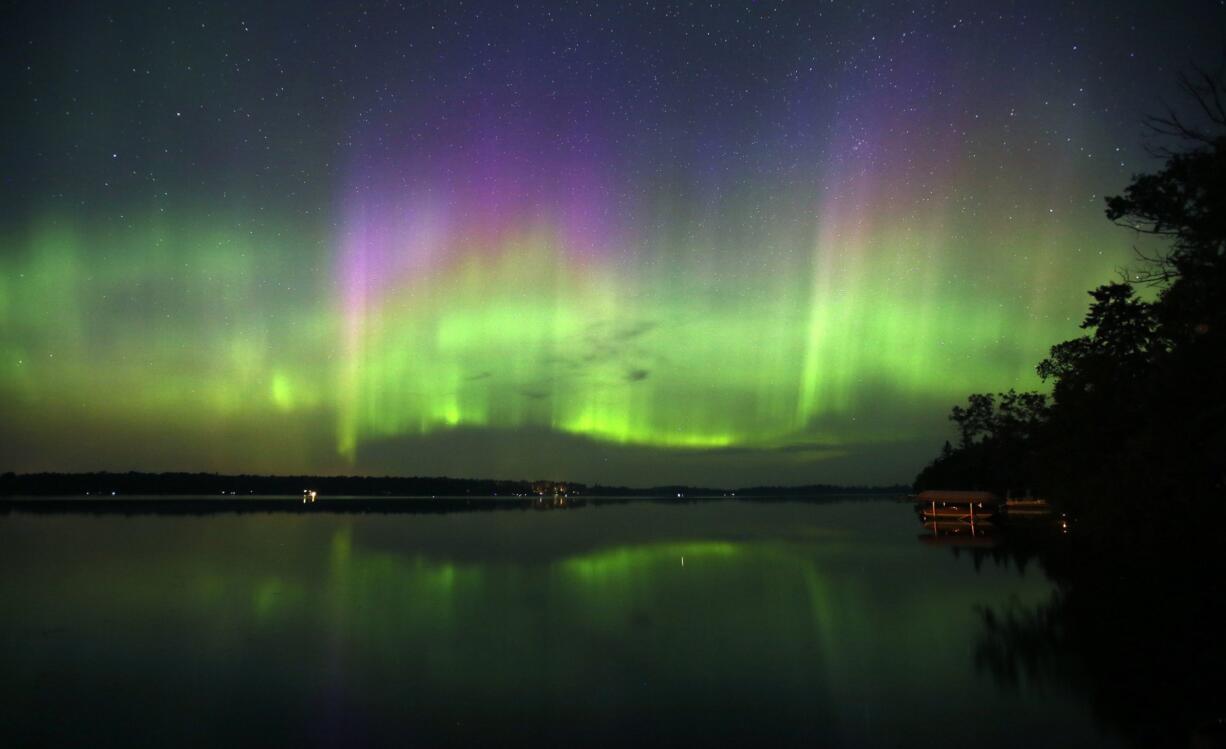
181	483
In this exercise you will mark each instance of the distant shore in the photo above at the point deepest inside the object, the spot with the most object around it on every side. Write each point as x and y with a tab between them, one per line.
227	504
106	486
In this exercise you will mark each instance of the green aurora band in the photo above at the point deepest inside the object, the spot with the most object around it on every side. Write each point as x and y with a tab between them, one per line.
207	331
487	281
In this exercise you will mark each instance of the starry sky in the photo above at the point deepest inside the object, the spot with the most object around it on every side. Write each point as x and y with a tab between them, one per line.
636	243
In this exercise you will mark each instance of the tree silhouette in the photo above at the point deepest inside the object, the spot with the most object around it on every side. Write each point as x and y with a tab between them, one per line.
1137	422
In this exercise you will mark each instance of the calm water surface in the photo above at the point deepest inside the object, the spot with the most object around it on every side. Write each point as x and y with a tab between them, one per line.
715	622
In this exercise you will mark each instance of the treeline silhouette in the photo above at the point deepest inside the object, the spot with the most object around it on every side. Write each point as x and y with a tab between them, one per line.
1131	442
114	485
1133	428
104	484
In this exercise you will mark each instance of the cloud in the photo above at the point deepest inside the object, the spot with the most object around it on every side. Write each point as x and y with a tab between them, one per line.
528	452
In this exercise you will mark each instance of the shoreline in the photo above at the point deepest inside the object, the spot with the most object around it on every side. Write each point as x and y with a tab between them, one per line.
207	505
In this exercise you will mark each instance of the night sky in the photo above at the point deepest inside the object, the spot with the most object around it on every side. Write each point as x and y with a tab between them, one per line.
711	243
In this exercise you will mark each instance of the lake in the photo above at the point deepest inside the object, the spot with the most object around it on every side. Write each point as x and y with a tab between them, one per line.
715	622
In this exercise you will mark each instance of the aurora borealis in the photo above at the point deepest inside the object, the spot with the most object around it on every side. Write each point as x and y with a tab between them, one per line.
716	243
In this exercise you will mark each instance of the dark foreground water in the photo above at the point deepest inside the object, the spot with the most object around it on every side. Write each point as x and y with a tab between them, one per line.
720	622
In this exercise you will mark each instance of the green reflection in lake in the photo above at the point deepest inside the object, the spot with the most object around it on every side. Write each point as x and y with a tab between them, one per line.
719	622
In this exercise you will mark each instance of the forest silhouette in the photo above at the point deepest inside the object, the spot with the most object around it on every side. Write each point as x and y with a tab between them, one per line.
1133	430
1131	445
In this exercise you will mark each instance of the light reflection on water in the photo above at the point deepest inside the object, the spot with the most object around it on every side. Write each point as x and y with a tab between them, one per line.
719	622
